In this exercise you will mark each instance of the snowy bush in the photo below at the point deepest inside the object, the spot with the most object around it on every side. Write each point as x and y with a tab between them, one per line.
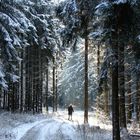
87	132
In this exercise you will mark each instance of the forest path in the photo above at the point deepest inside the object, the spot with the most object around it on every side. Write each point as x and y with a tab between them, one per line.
58	127
51	129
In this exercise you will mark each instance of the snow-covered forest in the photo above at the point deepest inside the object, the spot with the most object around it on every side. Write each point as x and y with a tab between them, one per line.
54	53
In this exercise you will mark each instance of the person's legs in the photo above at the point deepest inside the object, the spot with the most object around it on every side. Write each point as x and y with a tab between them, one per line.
71	116
68	117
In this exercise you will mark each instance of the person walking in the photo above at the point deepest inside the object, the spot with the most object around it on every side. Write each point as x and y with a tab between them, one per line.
70	111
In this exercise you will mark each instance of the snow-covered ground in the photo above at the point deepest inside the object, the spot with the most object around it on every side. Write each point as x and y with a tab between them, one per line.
53	126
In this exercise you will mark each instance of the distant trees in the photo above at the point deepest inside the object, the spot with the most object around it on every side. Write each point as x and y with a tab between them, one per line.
72	77
77	16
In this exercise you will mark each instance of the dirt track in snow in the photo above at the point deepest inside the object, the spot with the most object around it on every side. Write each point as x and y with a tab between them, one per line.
51	129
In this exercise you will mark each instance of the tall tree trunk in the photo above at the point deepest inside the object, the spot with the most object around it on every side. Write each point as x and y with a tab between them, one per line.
9	101
30	100
13	97
86	82
0	98
34	84
106	98
98	59
21	83
98	73
40	80
137	99
47	82
56	89
37	79
53	84
129	103
4	99
28	80
115	98
122	86
16	84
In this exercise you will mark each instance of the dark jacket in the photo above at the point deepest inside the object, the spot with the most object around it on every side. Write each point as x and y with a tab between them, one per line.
70	110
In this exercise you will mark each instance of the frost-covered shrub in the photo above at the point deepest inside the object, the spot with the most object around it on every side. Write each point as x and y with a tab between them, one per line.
86	132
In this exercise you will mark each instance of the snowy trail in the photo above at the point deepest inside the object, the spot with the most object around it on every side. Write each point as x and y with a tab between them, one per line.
35	132
51	129
58	128
55	126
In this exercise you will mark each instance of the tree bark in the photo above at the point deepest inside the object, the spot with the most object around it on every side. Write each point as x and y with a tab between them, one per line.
56	102
4	99
0	98
106	98
137	99
13	97
129	103
40	79
21	83
53	84
115	103
47	82
28	80
122	86
115	97
86	82
98	59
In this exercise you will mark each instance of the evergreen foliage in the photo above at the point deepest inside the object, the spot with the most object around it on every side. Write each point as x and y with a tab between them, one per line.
43	61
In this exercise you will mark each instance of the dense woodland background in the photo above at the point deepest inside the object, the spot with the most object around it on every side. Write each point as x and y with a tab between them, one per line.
82	52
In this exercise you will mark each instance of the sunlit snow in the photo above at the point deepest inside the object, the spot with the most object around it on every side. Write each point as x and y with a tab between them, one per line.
56	126
52	126
57	1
